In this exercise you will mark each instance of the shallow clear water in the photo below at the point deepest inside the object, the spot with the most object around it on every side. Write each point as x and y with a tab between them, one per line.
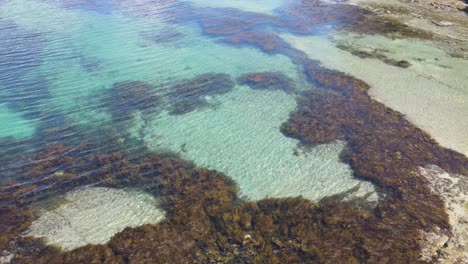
60	61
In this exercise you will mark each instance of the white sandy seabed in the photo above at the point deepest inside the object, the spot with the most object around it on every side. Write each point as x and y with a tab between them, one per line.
92	215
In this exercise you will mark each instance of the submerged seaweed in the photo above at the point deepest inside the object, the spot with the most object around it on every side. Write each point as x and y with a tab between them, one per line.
127	97
206	221
268	81
384	148
375	54
189	95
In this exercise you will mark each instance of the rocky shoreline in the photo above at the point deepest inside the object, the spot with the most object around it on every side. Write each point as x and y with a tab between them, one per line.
446	19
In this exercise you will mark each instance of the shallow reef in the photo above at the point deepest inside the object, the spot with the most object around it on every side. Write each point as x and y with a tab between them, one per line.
188	95
124	98
268	81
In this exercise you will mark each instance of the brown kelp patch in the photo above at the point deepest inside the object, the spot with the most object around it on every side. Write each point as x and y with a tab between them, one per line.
206	222
188	95
124	98
268	43
268	81
304	17
191	195
383	147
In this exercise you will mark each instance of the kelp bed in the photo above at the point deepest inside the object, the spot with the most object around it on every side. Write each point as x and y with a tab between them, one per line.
206	221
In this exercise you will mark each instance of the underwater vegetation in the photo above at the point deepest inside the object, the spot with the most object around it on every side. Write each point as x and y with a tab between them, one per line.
352	18
127	97
268	81
188	95
302	17
268	43
206	220
181	97
375	54
384	148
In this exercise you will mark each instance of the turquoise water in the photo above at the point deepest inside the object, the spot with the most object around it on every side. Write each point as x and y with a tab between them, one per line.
62	60
87	52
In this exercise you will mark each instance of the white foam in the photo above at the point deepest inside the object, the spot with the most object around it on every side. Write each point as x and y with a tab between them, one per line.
92	215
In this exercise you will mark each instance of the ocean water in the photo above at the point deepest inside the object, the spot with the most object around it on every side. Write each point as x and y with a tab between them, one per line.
65	59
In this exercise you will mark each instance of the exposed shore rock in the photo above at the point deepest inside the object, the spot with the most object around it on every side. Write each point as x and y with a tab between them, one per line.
448	247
